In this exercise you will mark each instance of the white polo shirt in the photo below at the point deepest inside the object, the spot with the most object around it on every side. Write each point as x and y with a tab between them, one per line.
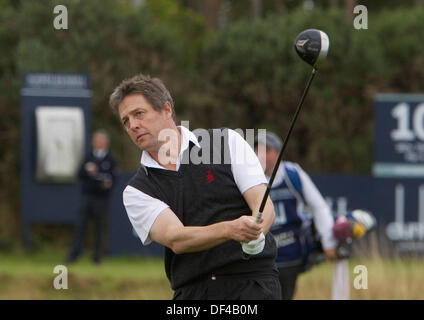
143	209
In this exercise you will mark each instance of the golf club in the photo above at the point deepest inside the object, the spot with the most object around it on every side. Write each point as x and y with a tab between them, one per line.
312	46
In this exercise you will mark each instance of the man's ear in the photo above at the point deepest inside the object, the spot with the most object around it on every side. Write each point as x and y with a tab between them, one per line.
168	110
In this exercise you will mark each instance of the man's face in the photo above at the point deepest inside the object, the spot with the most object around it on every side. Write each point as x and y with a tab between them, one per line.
143	123
100	141
267	158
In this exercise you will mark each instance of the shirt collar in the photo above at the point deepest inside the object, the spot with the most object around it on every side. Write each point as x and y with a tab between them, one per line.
99	153
186	137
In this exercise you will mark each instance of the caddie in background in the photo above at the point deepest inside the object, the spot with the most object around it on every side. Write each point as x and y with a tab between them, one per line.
203	212
291	191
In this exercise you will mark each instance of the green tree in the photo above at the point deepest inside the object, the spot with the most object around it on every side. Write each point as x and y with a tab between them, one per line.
258	76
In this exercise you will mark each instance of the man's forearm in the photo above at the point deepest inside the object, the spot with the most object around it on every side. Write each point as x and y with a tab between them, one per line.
253	197
171	233
268	216
193	239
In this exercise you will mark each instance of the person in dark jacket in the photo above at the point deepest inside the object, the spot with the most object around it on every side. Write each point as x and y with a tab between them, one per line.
97	175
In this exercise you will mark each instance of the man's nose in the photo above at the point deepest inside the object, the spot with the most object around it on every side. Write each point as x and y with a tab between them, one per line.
134	124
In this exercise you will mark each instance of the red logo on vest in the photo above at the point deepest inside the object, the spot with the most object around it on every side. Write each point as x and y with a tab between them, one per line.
209	176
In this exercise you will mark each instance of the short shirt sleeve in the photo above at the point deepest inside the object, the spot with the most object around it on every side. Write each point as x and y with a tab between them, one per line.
245	165
142	210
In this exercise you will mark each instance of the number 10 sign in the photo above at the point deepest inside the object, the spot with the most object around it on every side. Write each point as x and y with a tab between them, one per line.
399	135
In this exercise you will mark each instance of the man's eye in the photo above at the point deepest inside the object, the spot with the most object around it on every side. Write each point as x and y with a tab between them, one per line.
139	113
125	122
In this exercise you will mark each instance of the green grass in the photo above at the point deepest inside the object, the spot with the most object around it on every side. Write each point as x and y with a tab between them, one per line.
394	279
31	276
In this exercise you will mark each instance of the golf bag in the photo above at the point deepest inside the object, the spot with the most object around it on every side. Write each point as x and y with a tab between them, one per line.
353	225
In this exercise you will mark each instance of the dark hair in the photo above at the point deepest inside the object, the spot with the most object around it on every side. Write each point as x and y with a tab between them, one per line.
152	89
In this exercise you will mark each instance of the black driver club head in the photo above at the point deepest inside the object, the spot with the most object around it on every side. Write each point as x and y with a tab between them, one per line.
312	46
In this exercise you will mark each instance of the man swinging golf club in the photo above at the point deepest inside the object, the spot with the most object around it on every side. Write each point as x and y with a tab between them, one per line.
200	212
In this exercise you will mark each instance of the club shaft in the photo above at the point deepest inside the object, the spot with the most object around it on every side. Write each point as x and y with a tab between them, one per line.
280	156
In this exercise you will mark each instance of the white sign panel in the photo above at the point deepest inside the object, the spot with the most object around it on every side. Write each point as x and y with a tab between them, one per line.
60	143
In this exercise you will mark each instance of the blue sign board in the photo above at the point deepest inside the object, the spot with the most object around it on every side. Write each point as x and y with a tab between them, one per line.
397	204
44	199
399	169
399	135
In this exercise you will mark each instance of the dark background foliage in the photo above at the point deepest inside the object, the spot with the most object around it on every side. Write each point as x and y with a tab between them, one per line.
226	63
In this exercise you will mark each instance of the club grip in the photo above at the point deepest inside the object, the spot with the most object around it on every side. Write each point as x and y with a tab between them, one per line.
258	217
254	247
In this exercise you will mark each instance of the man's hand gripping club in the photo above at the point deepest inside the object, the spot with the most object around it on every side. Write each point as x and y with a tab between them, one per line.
259	201
255	246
